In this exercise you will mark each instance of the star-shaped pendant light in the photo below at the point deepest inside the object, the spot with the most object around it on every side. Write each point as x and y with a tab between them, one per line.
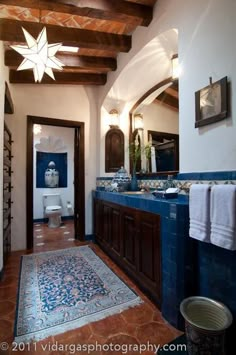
39	55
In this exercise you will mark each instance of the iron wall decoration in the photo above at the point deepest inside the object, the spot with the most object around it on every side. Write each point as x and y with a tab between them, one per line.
211	103
51	170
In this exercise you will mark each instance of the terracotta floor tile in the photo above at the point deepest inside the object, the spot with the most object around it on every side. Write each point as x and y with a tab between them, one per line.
155	333
137	325
79	335
43	347
121	343
93	339
7	308
157	317
8	292
114	323
8	281
140	315
6	327
6	351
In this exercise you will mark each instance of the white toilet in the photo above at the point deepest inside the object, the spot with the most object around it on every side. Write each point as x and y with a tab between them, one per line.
52	209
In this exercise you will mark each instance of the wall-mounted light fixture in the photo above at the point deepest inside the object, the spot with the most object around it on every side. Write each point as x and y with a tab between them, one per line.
114	118
138	121
175	67
37	128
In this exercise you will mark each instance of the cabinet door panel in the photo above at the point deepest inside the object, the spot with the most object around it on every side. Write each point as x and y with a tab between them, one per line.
97	219
106	223
132	238
149	249
129	233
115	230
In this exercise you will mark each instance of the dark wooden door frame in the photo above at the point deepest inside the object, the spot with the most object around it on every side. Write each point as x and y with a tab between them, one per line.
79	182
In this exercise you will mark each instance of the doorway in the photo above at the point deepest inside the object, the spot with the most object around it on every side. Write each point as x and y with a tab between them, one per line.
79	181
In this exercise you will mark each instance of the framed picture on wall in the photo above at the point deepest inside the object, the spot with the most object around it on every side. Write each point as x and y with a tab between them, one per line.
211	103
51	170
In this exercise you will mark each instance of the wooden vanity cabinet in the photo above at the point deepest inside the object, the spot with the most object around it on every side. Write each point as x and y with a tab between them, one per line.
131	238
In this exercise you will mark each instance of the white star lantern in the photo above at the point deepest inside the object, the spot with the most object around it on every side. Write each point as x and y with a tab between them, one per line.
39	55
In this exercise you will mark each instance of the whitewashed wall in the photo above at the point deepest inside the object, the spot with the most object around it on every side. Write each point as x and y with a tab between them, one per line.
159	118
206	47
66	193
61	102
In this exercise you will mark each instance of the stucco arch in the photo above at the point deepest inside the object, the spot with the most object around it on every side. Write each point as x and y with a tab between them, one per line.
149	66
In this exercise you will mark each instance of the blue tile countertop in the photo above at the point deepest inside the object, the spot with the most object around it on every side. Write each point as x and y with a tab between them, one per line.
145	202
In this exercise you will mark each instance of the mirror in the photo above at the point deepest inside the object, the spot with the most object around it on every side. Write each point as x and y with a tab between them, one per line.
154	120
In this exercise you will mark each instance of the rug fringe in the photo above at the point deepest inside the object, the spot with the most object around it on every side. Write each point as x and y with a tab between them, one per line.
43	334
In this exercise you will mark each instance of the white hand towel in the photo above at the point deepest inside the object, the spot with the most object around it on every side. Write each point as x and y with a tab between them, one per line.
223	216
199	212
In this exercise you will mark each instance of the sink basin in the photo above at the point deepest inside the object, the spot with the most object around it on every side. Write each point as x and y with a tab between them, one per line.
134	192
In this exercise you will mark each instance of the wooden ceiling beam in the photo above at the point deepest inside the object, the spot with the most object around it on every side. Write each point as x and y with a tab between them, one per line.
10	30
168	100
61	78
113	10
172	92
100	64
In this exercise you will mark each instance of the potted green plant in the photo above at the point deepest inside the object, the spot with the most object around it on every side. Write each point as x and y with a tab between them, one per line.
135	155
147	151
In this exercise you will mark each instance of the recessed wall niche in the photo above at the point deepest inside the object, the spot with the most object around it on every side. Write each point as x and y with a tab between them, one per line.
51	170
114	150
51	163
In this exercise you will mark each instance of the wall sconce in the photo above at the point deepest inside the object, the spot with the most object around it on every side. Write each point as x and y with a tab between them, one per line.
175	67
37	128
138	121
114	118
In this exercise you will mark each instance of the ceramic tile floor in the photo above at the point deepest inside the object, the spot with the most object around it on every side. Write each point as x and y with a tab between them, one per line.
142	324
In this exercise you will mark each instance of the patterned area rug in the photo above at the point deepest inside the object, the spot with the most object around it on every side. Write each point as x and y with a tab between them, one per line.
65	289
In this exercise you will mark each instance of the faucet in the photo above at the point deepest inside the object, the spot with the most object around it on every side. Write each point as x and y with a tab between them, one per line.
169	182
145	188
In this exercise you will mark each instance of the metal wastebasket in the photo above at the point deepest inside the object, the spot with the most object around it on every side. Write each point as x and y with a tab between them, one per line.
205	323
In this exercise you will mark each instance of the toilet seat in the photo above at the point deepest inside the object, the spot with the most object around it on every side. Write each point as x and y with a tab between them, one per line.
54	216
53	208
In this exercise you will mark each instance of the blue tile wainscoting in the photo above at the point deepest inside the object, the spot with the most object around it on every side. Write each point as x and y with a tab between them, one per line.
189	267
216	278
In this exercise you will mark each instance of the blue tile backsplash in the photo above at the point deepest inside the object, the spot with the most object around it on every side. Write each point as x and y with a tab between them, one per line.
183	180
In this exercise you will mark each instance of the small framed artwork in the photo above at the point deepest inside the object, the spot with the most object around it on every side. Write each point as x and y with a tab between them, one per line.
211	103
51	170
